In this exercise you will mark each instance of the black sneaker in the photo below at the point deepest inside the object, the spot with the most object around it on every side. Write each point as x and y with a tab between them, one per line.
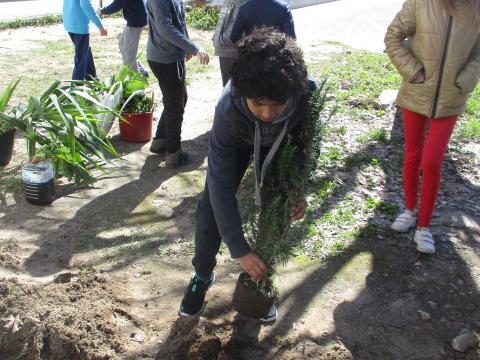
193	302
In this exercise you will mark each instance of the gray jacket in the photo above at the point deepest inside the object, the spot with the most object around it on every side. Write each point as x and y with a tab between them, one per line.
221	38
168	40
235	127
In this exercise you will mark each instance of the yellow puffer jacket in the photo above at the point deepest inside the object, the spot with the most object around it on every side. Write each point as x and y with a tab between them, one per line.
446	47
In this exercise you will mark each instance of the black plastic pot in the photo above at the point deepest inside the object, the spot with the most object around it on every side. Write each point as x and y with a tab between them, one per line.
249	301
38	182
6	147
39	194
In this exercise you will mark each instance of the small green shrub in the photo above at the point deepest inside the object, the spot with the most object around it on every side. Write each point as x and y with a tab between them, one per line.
204	18
33	21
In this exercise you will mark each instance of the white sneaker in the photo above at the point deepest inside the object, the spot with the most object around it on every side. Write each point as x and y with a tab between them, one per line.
424	240
404	221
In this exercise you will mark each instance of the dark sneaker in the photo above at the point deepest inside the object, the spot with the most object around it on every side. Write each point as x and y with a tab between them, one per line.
271	316
178	158
193	302
158	146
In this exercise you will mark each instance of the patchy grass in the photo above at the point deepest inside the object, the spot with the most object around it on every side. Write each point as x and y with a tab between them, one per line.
379	135
358	75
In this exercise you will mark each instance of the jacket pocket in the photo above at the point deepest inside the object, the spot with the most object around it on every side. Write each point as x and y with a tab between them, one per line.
466	85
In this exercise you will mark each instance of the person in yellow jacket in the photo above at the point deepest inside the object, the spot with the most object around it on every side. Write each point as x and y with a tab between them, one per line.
440	67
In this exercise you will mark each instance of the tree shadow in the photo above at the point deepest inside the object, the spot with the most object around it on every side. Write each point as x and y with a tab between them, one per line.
107	211
385	321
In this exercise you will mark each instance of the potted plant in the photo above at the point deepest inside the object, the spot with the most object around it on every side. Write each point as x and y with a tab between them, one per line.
63	138
127	93
137	113
7	129
137	108
269	227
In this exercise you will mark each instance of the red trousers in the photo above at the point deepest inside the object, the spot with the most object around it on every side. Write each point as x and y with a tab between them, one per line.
428	151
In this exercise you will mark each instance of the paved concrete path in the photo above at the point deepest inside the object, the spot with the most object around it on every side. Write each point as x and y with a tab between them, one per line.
357	23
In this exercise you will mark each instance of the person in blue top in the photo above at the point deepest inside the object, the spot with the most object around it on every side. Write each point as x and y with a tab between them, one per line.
76	15
135	14
255	13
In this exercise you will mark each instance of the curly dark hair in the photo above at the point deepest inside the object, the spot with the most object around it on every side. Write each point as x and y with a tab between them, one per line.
269	65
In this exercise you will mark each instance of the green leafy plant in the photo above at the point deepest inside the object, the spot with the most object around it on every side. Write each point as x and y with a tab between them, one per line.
6	121
62	125
203	18
269	227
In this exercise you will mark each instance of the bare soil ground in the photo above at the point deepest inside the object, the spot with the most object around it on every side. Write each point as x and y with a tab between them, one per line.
99	274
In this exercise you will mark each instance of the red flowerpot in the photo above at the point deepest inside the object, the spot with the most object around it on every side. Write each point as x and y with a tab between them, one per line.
137	127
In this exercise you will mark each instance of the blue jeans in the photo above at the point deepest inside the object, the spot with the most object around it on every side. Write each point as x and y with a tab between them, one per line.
84	68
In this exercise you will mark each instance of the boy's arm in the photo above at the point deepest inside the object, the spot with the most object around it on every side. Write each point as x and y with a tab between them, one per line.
88	9
163	16
288	26
221	179
115	6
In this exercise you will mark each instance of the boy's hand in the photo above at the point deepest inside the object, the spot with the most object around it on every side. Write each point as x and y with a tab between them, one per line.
298	212
202	57
188	57
253	266
103	32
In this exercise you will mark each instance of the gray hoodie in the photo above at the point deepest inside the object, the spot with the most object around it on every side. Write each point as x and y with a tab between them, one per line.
221	38
234	126
168	40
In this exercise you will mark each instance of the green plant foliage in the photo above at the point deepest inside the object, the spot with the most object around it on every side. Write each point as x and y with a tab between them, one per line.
135	98
203	18
5	124
269	227
43	20
62	125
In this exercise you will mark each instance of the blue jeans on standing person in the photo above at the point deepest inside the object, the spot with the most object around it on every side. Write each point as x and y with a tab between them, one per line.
84	68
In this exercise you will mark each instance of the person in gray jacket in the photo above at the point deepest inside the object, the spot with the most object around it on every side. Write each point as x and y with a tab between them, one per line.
224	47
168	48
266	98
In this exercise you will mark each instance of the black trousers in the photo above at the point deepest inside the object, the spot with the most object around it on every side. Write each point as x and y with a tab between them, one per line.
207	236
171	78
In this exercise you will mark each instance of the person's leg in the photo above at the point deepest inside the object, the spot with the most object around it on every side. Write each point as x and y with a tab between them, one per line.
207	237
171	79
438	136
207	244
225	65
121	40
414	130
414	133
91	71
131	38
82	56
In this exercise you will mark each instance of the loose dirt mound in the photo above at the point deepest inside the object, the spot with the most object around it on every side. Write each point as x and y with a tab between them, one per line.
77	317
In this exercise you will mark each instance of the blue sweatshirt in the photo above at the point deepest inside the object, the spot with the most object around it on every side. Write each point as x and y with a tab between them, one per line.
274	13
134	11
77	14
